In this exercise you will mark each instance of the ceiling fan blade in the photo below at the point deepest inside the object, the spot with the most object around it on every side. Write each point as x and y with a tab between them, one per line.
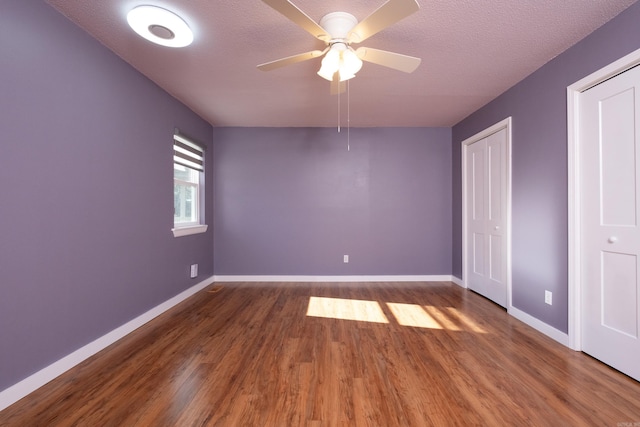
300	18
397	61
388	14
272	65
336	85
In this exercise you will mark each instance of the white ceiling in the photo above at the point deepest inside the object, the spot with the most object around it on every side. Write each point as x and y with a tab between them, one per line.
471	50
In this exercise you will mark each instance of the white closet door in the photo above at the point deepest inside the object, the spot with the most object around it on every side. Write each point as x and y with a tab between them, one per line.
609	126
486	217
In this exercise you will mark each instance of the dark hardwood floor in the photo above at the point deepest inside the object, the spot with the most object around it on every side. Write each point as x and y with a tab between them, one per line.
422	354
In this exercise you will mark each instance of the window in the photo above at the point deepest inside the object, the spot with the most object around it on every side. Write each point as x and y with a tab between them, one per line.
188	186
185	196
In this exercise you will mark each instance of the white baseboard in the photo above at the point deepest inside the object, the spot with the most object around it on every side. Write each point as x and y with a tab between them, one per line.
458	282
539	325
21	389
330	279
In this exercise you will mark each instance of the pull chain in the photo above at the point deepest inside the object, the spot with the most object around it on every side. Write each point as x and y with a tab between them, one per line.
348	116
338	111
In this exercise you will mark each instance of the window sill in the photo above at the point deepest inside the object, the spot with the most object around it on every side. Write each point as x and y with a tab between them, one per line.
187	231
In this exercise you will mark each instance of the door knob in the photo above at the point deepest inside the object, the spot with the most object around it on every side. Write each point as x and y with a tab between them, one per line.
612	239
496	228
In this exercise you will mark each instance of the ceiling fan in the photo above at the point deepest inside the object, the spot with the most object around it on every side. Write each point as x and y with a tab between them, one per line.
339	31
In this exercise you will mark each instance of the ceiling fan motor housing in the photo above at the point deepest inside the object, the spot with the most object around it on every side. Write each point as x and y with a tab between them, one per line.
338	25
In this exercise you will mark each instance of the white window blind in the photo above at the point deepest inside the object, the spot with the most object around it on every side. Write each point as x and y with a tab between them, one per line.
187	153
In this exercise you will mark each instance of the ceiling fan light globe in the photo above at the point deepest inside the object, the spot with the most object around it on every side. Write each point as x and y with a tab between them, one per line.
351	64
325	74
332	60
327	70
330	64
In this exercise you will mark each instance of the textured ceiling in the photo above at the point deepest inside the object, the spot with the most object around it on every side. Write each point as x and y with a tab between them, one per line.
471	50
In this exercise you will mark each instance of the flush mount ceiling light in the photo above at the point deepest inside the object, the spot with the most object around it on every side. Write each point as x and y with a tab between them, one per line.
160	26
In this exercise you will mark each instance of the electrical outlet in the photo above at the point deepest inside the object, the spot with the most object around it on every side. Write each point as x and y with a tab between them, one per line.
548	297
194	270
345	258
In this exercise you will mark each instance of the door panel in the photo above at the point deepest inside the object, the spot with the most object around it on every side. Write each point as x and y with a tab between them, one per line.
496	272
609	126
495	150
619	294
478	254
618	161
478	183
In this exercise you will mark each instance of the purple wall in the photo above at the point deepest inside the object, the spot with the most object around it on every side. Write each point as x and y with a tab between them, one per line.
293	201
86	196
538	107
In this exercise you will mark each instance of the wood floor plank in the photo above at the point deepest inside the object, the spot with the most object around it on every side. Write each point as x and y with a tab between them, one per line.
249	354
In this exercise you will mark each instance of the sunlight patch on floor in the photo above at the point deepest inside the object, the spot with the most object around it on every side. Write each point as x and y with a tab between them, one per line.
468	323
413	315
441	317
346	309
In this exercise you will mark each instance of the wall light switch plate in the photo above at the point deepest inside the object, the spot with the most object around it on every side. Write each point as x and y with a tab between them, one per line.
346	259
548	297
194	270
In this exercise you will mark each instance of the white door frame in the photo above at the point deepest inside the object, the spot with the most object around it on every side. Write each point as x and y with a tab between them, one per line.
504	124
575	187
